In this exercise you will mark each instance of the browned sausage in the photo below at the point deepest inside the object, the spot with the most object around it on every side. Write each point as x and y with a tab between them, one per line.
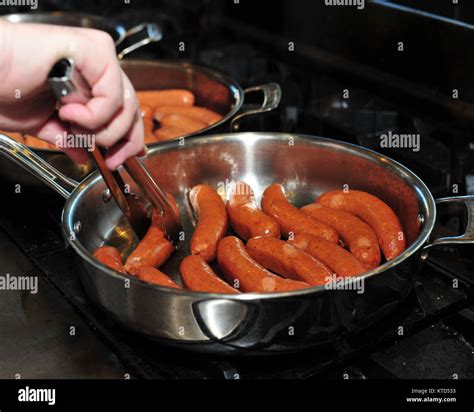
246	217
377	214
355	233
155	276
188	124
175	97
338	259
168	133
246	274
155	248
288	261
198	113
111	257
38	143
198	276
291	219
212	221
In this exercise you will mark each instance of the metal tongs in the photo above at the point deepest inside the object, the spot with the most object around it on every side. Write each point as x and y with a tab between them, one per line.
69	86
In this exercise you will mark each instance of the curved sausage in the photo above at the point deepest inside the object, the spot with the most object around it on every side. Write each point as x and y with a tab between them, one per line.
168	133
186	123
240	269
155	248
355	233
155	276
338	259
198	113
377	214
291	219
212	221
287	260
245	216
155	98
111	257
198	276
38	143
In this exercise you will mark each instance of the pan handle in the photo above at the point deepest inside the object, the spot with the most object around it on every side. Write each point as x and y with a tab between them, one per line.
468	235
146	32
271	100
38	167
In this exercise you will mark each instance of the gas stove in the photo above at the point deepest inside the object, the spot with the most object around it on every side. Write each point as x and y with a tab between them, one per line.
430	336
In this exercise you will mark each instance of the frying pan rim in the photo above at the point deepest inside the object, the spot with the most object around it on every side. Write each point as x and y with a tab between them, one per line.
425	196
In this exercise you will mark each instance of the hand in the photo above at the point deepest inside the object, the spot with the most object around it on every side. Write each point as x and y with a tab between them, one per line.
27	105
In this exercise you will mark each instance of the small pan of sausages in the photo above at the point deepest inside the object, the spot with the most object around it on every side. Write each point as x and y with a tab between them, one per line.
288	241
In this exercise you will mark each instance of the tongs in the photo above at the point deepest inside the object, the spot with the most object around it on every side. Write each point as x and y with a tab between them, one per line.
69	86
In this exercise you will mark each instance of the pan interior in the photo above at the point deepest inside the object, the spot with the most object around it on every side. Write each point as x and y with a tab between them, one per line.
306	166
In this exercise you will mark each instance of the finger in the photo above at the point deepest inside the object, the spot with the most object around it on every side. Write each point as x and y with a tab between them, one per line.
132	145
102	72
122	121
54	131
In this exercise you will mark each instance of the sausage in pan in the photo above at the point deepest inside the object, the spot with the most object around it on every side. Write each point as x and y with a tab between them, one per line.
246	274
212	221
287	260
291	219
198	276
175	97
377	214
338	259
355	233
245	216
156	277
198	113
110	256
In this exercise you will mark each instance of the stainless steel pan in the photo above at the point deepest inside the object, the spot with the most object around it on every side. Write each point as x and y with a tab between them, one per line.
247	323
212	89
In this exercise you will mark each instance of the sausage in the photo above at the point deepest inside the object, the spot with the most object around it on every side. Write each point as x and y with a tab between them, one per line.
175	97
155	248
212	221
240	269
198	113
38	143
186	123
156	277
146	112
198	276
355	233
168	133
335	257
245	216
110	257
291	219
377	214
288	261
148	130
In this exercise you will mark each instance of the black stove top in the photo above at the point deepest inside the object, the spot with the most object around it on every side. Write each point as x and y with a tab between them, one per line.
430	336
